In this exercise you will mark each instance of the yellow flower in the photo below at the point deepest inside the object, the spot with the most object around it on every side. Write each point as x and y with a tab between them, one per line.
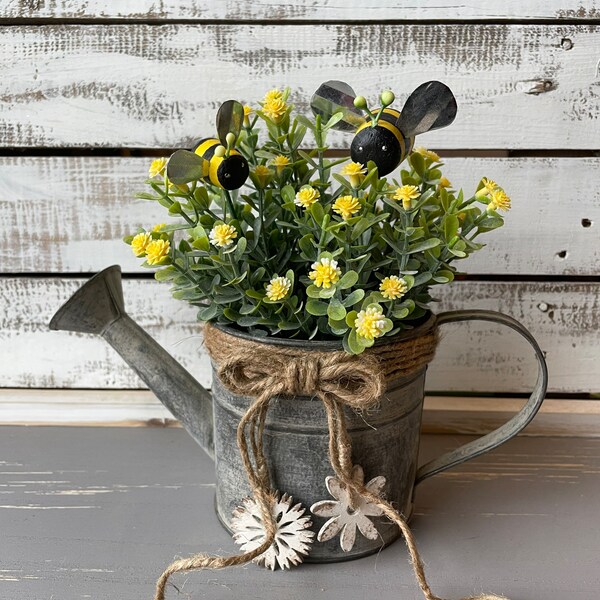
273	94
370	323
156	251
157	167
393	287
427	154
140	242
346	206
158	228
444	182
278	288
499	201
247	113
307	196
407	193
280	162
325	272
489	187
222	235
263	175
356	172
275	109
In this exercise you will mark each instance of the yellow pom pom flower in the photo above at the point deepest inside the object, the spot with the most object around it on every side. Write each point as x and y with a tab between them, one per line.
407	193
370	323
393	287
346	206
499	201
263	175
280	162
156	251
158	228
247	112
489	187
307	196
355	172
325	272
444	182
278	288
222	235
273	94
275	109
428	154
140	242
157	167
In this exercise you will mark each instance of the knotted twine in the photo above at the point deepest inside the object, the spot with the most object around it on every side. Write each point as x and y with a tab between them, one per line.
264	371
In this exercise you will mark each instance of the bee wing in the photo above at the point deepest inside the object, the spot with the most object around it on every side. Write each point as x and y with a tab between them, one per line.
431	106
185	166
333	97
230	119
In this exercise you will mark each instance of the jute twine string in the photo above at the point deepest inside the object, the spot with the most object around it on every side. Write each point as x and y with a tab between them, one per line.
337	379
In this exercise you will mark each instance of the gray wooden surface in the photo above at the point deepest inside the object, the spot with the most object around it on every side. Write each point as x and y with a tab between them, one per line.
97	513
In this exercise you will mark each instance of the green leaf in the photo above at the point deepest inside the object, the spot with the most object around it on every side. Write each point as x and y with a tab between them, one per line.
450	224
350	318
355	343
423	245
288	194
327	292
316	210
312	291
347	280
418	163
336	118
167	274
316	308
240	248
184	166
422	278
208	313
175	208
353	298
336	310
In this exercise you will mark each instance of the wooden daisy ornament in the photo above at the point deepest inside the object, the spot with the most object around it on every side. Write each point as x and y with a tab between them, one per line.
293	538
347	517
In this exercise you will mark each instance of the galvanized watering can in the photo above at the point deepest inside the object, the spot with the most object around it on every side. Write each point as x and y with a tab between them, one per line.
384	441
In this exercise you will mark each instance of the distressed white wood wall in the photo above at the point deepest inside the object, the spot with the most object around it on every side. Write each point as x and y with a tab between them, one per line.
89	91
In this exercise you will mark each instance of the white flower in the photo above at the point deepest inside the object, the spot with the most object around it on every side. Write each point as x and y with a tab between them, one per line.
293	537
346	517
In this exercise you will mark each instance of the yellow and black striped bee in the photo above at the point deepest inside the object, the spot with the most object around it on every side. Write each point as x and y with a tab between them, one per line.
388	135
214	160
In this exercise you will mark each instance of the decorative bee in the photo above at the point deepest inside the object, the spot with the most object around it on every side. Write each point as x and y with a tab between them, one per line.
214	160
388	136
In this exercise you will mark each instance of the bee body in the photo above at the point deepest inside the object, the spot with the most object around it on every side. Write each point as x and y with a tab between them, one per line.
228	172
384	144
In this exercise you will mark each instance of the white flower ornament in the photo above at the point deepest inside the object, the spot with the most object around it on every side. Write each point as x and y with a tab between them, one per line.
345	519
293	537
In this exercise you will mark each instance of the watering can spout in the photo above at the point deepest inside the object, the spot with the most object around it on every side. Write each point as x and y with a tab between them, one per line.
98	308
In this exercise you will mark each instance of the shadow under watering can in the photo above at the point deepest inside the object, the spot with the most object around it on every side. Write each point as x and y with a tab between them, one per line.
384	442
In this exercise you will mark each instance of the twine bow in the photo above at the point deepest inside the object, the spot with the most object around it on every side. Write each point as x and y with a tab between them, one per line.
337	379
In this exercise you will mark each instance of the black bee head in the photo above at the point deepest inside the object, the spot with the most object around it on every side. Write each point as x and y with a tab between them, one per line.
233	172
379	145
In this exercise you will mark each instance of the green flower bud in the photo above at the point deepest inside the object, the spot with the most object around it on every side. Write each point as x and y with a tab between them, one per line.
387	97
360	102
230	138
220	151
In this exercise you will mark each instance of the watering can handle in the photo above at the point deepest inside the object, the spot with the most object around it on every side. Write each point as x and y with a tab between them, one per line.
510	428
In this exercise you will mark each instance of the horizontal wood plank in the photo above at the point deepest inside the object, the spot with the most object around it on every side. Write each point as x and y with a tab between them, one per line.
518	86
301	10
69	214
564	317
140	408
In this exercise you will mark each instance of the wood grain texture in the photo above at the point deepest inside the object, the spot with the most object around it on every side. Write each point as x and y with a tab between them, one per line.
301	10
518	86
100	512
69	214
140	408
471	358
